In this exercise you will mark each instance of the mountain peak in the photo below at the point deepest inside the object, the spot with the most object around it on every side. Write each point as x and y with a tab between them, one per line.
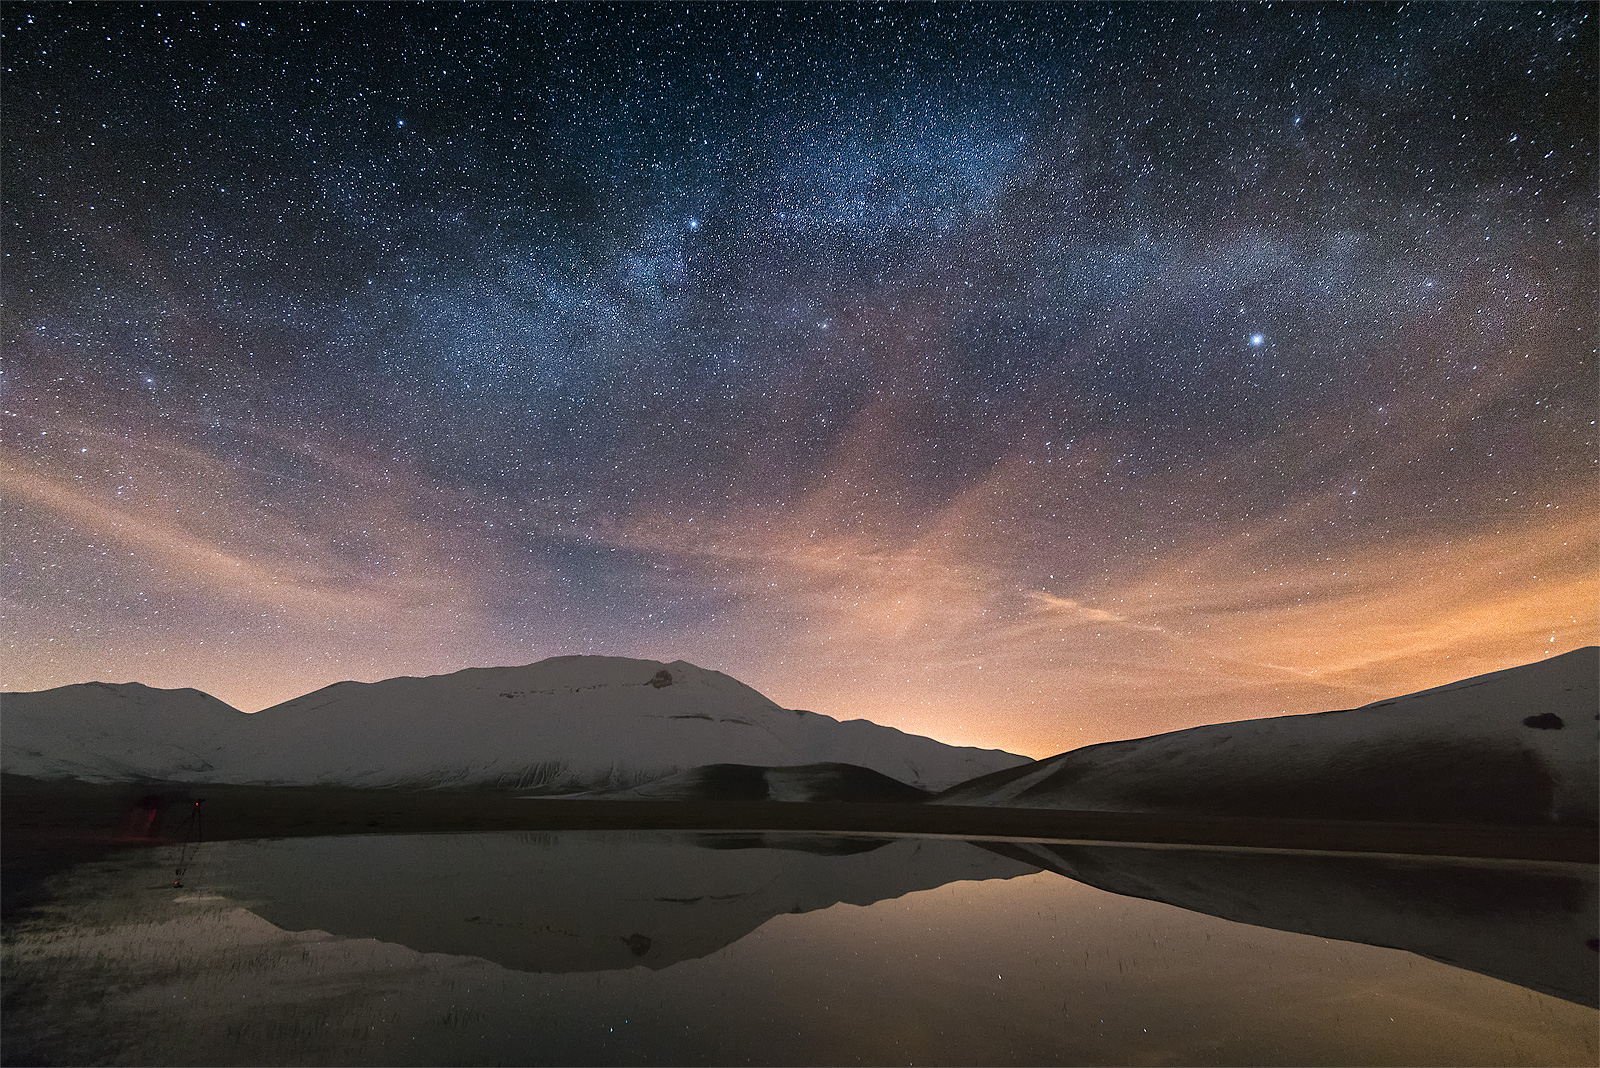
567	724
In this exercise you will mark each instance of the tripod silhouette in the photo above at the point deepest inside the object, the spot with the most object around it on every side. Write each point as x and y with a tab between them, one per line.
193	831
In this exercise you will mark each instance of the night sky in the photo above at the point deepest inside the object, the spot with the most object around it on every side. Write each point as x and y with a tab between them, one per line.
1026	376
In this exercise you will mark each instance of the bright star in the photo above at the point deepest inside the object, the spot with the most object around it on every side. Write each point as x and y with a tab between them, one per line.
1256	339
694	224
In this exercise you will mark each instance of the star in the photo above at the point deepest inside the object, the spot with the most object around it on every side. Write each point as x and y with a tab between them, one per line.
969	316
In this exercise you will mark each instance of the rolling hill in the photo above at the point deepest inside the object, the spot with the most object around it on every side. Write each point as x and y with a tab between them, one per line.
1511	747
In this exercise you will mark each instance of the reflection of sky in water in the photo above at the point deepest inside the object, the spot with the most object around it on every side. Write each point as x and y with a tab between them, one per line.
995	967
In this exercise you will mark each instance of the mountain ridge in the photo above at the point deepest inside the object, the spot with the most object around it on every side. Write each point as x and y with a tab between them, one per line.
570	724
1510	746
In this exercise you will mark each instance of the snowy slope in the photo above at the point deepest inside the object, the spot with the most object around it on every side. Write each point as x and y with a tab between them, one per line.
1515	746
573	723
569	724
105	732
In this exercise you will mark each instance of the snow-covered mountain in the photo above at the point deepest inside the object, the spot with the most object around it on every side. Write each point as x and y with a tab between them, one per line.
104	732
565	725
1514	746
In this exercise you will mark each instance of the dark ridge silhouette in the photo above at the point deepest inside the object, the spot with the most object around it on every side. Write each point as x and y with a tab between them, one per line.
798	783
821	844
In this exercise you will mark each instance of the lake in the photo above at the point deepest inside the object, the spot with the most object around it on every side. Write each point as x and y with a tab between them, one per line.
619	947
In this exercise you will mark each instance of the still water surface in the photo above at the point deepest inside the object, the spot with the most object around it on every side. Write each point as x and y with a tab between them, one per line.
678	948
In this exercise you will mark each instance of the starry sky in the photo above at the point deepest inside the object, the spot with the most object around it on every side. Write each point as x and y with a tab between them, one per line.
1024	375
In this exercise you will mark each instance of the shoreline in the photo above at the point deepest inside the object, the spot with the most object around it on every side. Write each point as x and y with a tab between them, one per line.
50	826
135	814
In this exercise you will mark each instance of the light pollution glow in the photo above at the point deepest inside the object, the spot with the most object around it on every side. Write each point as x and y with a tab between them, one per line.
951	627
1028	381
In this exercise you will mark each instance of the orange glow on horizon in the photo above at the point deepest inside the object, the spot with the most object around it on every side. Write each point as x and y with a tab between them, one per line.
978	620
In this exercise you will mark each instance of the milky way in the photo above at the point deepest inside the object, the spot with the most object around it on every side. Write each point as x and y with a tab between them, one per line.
1028	376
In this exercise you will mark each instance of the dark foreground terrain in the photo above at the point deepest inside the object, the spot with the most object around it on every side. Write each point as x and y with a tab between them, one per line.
49	826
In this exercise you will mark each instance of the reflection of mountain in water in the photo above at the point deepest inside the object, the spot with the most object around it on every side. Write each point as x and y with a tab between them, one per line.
587	901
597	901
1533	925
